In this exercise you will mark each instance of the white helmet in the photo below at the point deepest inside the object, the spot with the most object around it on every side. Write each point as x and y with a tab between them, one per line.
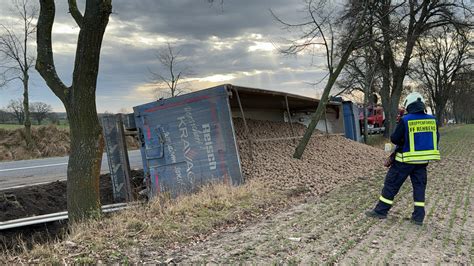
413	97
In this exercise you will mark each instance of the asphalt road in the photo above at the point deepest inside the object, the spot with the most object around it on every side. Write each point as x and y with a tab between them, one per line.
32	172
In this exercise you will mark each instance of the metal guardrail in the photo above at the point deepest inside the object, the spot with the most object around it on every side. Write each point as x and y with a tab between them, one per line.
53	217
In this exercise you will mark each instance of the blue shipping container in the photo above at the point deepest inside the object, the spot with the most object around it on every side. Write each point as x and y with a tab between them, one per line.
188	141
351	121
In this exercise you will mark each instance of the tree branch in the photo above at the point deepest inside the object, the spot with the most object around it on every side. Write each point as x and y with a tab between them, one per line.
75	12
45	63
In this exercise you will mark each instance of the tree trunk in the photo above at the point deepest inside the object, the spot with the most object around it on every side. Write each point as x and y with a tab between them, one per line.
87	144
440	107
86	134
316	116
324	99
396	94
26	108
19	117
456	113
366	121
431	105
392	97
385	99
367	90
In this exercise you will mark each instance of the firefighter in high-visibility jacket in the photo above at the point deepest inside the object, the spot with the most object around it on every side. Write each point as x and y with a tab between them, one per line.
416	137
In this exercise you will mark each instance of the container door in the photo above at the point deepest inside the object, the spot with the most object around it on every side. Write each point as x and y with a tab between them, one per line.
189	141
154	142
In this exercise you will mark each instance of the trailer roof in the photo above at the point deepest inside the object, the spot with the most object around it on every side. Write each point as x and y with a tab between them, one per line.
260	98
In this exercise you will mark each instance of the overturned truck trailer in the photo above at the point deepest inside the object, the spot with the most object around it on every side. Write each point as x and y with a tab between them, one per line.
189	140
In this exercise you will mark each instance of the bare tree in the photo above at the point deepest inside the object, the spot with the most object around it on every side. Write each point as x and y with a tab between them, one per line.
16	60
359	69
442	54
397	28
171	72
54	118
40	111
319	30
5	116
79	99
15	107
463	97
360	74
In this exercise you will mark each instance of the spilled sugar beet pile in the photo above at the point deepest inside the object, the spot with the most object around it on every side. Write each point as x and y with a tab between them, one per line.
49	198
328	161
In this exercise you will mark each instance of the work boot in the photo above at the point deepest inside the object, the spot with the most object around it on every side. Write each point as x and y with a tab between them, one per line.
413	221
375	214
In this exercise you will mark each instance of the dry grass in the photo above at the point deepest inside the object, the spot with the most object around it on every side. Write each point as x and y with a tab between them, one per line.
17	126
49	141
161	224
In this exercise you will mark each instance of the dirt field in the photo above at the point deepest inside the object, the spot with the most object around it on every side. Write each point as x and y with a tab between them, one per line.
333	228
49	198
44	199
49	141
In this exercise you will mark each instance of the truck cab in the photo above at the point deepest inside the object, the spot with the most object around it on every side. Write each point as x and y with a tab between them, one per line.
375	117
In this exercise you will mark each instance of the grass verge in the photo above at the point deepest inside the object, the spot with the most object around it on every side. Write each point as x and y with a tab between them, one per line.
16	126
161	224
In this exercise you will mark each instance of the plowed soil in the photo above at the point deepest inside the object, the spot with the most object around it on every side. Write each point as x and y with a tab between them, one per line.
44	199
333	228
48	198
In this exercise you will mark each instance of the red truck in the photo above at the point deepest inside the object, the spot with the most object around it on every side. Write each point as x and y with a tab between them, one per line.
375	118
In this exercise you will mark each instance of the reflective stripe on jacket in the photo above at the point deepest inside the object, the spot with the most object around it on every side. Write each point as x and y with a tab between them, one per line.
421	142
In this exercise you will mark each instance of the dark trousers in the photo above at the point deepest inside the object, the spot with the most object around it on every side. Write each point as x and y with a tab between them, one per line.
396	176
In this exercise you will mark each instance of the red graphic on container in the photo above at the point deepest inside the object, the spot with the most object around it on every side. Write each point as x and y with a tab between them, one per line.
191	100
148	132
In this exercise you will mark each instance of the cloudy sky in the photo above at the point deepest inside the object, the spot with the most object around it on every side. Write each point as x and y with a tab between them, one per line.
231	43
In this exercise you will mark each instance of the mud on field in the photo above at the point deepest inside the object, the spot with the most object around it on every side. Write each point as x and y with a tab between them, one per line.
50	198
333	228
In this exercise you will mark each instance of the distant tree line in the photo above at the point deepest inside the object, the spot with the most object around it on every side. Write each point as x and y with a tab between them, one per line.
14	113
427	43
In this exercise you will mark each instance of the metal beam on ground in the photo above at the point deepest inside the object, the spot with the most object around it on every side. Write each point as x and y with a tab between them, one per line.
54	217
